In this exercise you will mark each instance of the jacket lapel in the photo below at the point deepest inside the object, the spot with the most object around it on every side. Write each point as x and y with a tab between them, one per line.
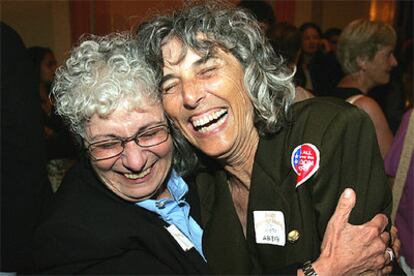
223	239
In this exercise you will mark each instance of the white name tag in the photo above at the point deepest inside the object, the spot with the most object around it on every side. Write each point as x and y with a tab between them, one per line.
269	227
182	240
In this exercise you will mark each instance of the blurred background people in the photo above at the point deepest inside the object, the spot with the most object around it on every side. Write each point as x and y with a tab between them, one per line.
263	12
24	183
365	52
45	64
60	146
286	41
396	96
315	72
330	39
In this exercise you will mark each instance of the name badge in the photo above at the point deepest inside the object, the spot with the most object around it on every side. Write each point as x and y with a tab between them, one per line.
181	239
269	227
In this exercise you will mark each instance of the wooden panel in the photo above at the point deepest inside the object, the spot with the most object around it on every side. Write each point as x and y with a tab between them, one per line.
285	10
123	15
79	12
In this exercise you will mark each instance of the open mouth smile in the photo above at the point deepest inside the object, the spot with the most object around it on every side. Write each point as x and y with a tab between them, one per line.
210	121
135	176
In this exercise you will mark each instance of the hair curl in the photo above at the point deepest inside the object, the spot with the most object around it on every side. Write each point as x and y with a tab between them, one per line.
100	74
267	80
103	73
362	39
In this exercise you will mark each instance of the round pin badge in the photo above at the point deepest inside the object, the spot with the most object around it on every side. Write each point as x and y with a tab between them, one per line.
305	162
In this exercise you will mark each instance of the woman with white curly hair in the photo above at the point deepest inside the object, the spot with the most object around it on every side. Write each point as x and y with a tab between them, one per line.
122	209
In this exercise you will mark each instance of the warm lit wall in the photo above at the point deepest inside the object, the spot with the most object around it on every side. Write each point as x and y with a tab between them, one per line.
48	22
330	13
40	23
303	12
340	13
124	15
107	16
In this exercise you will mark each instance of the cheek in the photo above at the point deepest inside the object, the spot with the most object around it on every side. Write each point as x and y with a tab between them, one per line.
229	85
172	106
103	169
164	151
102	166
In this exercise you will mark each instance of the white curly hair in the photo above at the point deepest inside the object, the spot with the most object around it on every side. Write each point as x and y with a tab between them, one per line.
100	74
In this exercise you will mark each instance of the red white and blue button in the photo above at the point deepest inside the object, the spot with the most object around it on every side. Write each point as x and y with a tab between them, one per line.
305	162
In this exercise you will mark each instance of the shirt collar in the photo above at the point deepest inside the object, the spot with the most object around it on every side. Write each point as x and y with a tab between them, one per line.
177	188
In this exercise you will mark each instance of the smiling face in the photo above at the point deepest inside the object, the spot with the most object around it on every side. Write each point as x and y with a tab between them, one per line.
207	100
310	41
137	173
379	67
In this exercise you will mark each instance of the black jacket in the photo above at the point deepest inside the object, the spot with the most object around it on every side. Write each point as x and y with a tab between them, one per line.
90	230
349	157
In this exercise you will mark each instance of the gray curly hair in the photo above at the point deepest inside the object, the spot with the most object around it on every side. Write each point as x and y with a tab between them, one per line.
101	73
266	77
363	38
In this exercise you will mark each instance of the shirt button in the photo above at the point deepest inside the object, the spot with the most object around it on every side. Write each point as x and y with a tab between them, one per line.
293	236
160	204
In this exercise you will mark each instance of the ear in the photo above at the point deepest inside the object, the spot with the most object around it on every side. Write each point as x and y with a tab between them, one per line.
362	62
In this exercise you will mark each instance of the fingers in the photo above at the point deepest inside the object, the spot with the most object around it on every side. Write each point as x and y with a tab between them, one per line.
395	242
344	207
390	255
386	270
339	219
396	247
385	237
380	221
394	233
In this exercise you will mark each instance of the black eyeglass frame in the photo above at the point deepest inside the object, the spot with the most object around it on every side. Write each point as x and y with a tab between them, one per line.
134	138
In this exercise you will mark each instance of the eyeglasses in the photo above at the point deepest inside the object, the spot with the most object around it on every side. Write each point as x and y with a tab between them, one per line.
113	147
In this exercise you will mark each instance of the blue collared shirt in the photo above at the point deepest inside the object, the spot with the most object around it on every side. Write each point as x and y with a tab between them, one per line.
176	210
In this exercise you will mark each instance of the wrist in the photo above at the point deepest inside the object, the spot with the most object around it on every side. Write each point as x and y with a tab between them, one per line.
322	266
325	266
308	269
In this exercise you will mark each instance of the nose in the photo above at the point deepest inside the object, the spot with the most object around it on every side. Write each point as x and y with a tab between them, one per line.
134	157
192	93
394	61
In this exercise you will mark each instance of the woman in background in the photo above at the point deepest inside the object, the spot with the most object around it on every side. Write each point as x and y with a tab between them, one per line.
60	146
365	51
315	72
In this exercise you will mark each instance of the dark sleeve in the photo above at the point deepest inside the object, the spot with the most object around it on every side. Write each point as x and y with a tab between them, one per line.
63	248
89	230
350	157
24	183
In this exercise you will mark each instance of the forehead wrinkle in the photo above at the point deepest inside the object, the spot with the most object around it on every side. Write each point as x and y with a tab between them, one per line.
125	120
185	64
175	44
